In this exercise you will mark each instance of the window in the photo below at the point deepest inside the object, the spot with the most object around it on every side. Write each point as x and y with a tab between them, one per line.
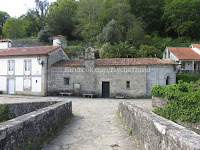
128	84
168	54
165	55
66	81
167	80
27	65
183	66
11	65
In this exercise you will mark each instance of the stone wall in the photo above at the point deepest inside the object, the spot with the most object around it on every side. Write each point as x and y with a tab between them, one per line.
158	75
159	101
156	133
22	43
19	109
142	78
91	80
29	130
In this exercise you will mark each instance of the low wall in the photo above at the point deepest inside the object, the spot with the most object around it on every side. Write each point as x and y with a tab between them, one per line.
29	130
19	109
156	133
158	101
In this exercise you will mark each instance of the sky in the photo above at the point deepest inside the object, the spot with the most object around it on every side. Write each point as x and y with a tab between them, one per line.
16	8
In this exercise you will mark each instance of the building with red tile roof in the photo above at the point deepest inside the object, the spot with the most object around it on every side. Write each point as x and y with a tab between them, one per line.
187	57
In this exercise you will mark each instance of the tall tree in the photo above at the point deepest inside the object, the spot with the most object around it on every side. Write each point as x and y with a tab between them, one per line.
38	14
14	28
183	17
150	12
61	17
3	17
89	19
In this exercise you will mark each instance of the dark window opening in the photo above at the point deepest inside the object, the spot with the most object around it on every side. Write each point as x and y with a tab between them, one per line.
66	81
36	81
167	80
128	84
183	66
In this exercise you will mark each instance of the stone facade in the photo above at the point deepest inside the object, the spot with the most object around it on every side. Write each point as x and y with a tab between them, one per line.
32	128
90	76
156	133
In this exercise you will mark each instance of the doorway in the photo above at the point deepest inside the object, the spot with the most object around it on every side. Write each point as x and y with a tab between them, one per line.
11	86
105	89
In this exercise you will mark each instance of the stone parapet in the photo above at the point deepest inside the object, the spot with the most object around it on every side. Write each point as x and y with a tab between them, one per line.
29	130
156	133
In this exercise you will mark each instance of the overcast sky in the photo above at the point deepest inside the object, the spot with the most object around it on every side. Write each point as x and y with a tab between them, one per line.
16	8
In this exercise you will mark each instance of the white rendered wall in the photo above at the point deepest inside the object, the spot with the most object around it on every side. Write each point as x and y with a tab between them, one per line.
36	68
3	66
3	45
19	66
19	74
36	84
56	42
19	84
3	83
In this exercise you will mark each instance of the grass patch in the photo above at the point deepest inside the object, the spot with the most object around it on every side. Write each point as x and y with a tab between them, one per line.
4	114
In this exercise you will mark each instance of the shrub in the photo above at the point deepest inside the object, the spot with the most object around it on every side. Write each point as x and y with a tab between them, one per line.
184	104
4	116
187	77
74	48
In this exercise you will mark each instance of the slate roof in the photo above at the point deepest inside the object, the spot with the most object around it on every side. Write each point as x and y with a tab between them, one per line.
114	62
184	53
25	51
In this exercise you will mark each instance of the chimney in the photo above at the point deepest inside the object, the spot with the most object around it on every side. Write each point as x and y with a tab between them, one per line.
5	44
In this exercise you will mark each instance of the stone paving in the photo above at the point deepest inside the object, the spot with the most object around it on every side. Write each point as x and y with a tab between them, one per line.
95	125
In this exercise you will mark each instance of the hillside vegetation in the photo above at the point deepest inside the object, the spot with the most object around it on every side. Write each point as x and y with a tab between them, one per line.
122	28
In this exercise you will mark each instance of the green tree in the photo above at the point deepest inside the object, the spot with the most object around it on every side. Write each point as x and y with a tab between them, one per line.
14	28
61	17
38	14
89	20
110	33
121	50
149	51
150	12
3	17
44	35
183	17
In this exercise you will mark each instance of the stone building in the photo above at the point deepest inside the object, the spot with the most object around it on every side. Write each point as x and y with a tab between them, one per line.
130	77
44	69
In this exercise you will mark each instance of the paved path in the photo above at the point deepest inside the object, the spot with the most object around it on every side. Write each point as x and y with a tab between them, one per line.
95	125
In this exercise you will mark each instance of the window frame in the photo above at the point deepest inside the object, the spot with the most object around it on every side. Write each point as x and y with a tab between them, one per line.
11	71
66	81
27	62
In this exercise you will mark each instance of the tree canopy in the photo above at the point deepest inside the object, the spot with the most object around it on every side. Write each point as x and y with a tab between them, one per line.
147	25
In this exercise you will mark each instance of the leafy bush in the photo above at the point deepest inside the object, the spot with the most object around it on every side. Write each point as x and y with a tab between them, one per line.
187	77
184	104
